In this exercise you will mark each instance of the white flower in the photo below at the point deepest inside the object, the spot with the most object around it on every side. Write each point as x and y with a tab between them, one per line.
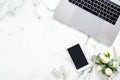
108	71
98	68
114	64
104	59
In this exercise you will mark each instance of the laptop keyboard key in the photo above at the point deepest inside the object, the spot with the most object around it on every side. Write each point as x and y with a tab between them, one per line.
104	9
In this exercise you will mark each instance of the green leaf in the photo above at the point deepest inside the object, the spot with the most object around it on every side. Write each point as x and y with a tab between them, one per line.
98	62
107	54
103	66
114	70
110	64
94	57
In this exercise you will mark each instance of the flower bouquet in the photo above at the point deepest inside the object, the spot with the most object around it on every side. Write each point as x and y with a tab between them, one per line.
104	64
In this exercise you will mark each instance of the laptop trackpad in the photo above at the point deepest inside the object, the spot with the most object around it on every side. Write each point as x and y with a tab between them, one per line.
86	22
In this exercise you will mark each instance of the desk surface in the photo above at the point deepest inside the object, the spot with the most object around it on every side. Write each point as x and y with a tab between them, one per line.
32	44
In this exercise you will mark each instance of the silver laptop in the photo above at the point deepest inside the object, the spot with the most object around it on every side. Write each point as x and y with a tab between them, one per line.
99	19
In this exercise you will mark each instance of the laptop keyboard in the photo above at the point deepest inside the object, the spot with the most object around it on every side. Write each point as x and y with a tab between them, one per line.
104	9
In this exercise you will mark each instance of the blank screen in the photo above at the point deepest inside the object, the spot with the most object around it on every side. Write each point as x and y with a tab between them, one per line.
77	56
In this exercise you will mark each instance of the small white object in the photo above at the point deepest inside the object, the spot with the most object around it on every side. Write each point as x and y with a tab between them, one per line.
56	73
63	72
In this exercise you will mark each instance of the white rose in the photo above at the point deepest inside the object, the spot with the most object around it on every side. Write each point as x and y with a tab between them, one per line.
108	71
98	68
114	64
104	59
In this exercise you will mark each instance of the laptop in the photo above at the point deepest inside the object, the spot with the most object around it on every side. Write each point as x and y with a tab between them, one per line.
99	19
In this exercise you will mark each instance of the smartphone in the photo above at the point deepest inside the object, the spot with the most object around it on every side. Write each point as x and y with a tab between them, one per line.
78	58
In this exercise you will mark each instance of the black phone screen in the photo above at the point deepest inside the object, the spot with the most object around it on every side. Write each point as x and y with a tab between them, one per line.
77	56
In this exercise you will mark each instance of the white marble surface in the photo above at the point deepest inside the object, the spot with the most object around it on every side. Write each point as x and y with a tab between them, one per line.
32	44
